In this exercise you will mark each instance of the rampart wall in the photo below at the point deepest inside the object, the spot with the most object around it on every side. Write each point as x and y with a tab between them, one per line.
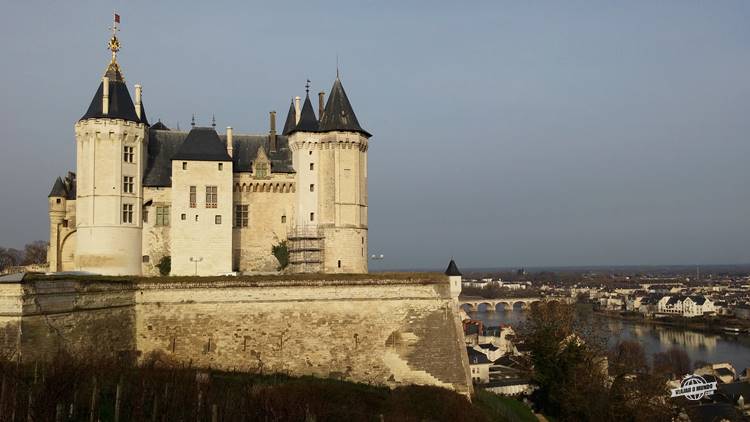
379	330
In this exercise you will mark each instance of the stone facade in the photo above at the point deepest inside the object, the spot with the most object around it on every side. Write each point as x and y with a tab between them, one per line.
201	235
123	216
380	330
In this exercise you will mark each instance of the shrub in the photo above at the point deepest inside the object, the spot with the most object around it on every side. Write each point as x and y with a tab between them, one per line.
281	252
165	265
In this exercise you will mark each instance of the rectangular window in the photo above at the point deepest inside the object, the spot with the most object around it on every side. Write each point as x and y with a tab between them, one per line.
127	184
193	197
127	213
184	165
145	215
162	216
312	216
240	215
312	166
221	166
211	196
312	188
128	154
217	219
283	219
146	259
183	217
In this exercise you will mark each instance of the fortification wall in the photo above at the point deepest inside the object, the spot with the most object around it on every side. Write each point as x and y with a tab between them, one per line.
379	331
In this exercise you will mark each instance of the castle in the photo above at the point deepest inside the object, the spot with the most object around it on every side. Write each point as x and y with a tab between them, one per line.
144	195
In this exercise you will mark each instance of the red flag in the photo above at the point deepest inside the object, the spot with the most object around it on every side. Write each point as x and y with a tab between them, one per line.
117	18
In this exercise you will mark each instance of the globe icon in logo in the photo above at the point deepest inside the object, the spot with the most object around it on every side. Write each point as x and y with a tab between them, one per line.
694	381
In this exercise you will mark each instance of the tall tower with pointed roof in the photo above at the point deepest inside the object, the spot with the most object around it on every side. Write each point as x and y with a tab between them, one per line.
110	153
330	156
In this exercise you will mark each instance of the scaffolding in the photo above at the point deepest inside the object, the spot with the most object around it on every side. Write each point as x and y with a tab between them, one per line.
306	249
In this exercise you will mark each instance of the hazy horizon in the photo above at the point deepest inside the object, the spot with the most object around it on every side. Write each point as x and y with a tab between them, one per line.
507	135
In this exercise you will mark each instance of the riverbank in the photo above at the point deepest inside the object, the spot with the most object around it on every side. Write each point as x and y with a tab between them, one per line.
712	325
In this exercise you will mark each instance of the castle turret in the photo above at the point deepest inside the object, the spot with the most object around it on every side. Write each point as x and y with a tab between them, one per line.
57	202
110	157
330	157
454	278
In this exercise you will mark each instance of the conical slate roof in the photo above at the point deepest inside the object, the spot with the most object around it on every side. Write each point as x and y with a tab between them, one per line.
202	144
58	189
452	269
120	104
290	120
307	120
144	120
338	114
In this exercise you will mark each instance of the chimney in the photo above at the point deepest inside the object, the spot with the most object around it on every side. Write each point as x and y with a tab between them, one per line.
105	96
138	89
296	110
321	100
230	145
272	133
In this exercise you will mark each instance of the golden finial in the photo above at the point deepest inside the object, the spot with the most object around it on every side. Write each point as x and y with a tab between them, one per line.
113	70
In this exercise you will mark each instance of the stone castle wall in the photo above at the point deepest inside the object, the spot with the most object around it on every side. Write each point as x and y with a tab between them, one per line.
379	331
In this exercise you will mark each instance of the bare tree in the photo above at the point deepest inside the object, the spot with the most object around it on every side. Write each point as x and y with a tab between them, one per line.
10	257
35	252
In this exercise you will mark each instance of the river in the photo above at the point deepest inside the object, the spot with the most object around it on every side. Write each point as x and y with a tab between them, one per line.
699	346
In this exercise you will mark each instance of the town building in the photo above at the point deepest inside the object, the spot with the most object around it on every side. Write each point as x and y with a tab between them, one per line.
145	197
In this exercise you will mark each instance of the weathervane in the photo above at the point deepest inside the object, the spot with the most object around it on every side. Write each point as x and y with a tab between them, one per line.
114	43
307	86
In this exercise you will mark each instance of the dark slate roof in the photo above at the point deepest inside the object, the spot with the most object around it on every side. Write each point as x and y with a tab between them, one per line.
476	357
488	346
307	120
202	144
120	104
159	126
338	114
144	120
700	300
290	120
164	144
452	269
58	189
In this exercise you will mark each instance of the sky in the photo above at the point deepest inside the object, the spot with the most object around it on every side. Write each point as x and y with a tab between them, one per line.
505	134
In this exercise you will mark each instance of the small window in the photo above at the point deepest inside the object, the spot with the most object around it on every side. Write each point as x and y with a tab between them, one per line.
128	154
339	263
283	219
312	166
240	215
310	153
65	223
127	213
193	197
196	217
145	215
211	196
184	165
127	184
312	216
217	219
58	200
312	187
183	217
221	166
162	216
146	259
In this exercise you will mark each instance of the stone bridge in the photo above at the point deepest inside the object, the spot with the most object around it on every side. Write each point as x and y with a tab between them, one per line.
472	303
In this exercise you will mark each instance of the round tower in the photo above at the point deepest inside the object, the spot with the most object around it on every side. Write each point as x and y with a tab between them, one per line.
331	164
57	202
110	158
